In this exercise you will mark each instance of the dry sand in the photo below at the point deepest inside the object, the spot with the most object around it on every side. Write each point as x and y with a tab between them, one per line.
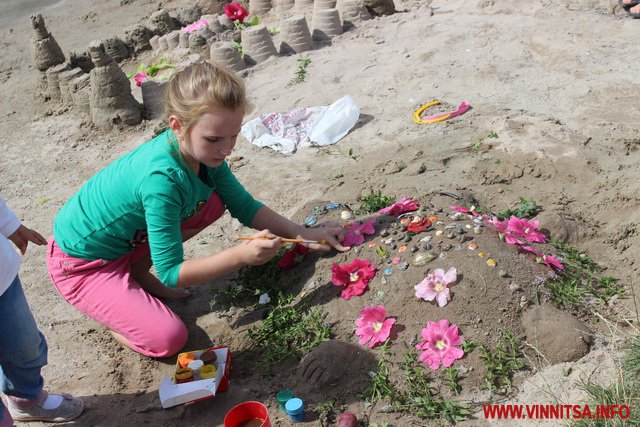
551	78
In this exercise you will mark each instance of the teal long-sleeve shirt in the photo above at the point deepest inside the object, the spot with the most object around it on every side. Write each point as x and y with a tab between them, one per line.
145	195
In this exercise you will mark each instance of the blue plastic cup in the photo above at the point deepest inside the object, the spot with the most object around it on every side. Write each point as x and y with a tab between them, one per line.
295	409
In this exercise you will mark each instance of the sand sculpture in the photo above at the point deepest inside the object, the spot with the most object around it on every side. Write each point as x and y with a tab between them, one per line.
380	7
326	24
198	44
44	47
80	60
53	81
257	43
116	49
173	39
80	89
161	23
188	14
227	55
153	97
183	40
111	101
138	36
296	35
154	42
352	11
63	80
259	7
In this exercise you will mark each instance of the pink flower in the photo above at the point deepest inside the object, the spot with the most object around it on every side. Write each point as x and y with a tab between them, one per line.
520	227
401	206
355	233
435	286
500	226
195	26
293	257
439	339
140	77
552	262
235	12
465	210
354	277
373	327
532	250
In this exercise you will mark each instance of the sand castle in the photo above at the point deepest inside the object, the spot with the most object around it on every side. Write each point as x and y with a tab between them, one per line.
94	84
44	48
111	101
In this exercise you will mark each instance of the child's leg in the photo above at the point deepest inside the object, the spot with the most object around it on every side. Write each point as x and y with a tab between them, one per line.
23	349
23	352
106	292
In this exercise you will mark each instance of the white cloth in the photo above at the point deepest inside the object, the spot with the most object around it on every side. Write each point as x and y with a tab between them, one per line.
287	131
9	258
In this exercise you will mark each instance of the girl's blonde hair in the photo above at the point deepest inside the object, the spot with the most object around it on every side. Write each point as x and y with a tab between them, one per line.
200	88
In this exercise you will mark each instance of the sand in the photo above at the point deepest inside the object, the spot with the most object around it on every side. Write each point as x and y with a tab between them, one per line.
550	78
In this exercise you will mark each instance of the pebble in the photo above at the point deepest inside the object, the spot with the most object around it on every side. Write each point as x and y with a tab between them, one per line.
427	246
464	239
514	287
503	273
469	226
393	246
422	258
403	265
395	260
524	301
491	262
402	248
446	247
477	230
439	233
346	215
384	233
451	235
383	280
460	230
414	249
407	238
388	271
426	239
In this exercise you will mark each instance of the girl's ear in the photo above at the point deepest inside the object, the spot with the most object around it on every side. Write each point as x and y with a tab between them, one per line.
175	125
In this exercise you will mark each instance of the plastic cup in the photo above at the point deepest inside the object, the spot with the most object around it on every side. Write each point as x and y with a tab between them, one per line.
283	396
295	409
247	414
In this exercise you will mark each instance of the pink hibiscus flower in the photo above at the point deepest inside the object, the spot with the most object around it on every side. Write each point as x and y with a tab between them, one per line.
235	12
140	77
373	326
195	26
552	262
500	226
435	286
401	206
293	257
355	233
439	341
520	227
462	209
355	277
533	250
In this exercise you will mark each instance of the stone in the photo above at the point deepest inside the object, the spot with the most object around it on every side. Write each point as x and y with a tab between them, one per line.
567	343
403	265
346	215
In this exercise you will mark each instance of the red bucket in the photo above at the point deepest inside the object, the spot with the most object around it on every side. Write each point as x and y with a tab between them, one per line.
247	414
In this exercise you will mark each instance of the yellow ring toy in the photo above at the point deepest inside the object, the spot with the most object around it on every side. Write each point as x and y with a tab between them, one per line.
208	371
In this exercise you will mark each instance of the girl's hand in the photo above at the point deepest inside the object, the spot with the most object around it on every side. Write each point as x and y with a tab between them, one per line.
260	250
23	235
328	233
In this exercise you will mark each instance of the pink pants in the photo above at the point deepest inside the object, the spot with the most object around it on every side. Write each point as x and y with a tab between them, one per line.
105	291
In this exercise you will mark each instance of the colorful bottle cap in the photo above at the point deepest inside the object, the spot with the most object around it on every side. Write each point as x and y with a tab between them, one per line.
283	396
195	365
184	373
208	357
185	358
294	406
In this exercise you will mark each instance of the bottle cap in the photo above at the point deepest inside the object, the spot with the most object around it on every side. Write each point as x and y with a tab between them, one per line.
294	405
284	396
195	365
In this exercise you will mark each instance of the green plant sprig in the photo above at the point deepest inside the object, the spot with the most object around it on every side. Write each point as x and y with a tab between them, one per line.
301	71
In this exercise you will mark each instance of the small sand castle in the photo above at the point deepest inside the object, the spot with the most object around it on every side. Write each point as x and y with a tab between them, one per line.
44	48
111	101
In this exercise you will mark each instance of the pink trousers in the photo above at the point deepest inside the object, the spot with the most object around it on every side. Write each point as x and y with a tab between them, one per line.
105	291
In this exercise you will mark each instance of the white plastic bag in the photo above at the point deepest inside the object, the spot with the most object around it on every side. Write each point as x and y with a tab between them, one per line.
333	123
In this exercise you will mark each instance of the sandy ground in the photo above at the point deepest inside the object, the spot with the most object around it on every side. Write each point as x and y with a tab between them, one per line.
551	78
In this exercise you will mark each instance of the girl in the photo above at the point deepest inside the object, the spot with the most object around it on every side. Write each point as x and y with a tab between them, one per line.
138	211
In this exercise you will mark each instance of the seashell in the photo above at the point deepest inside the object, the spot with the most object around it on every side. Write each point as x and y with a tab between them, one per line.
422	258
